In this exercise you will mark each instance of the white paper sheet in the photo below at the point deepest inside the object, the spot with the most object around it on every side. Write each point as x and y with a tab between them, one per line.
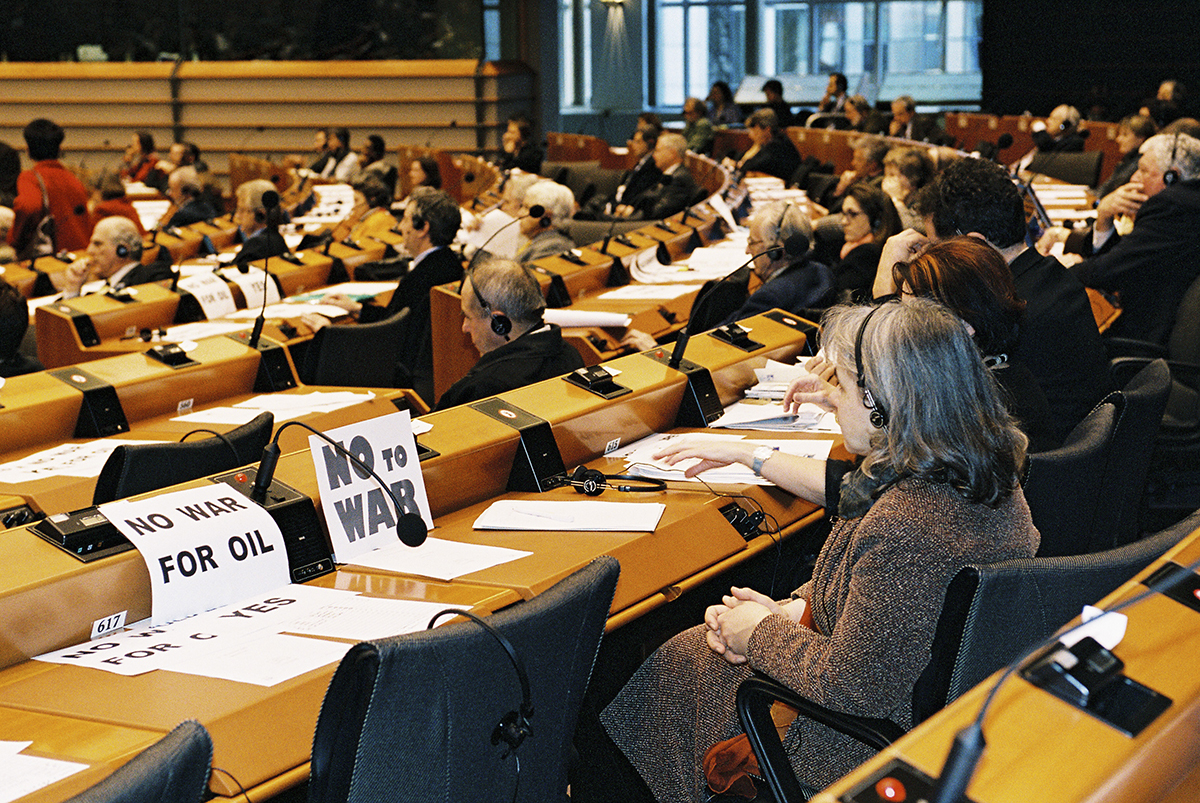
23	775
437	558
580	516
648	291
575	317
365	618
64	460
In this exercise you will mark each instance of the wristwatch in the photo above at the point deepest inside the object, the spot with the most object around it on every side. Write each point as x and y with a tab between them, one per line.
760	455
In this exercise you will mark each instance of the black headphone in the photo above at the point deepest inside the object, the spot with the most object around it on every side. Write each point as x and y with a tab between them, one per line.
514	726
777	252
501	324
1171	176
878	415
125	252
590	482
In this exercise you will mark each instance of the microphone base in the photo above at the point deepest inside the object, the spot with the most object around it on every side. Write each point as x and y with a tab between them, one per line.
274	369
308	550
701	405
894	777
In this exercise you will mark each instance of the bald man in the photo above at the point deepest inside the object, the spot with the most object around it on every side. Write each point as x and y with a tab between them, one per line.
114	254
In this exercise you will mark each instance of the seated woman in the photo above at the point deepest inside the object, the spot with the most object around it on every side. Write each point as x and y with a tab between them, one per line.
936	489
973	280
424	172
372	202
545	236
868	219
906	170
1131	133
771	152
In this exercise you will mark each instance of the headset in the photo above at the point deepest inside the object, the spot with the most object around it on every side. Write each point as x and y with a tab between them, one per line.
514	726
501	323
125	252
590	482
878	415
1171	176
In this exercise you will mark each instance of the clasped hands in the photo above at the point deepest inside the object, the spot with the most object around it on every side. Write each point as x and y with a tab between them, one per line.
730	624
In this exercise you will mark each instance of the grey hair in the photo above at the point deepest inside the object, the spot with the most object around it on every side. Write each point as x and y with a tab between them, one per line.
558	200
675	142
783	219
1186	149
125	233
946	420
509	286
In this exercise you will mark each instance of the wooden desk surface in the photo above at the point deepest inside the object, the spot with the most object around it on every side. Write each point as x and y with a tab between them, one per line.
1041	748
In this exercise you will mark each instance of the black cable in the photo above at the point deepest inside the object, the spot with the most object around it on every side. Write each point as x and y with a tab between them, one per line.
225	439
241	789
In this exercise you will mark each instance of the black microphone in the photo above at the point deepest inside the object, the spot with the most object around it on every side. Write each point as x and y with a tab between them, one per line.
1004	141
410	527
270	201
795	245
537	210
969	744
608	237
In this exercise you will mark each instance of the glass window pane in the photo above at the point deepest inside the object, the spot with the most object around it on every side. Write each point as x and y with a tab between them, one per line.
670	56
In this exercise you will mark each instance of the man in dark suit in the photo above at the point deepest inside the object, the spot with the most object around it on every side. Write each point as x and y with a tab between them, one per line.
431	220
675	188
258	224
185	191
114	254
502	307
908	124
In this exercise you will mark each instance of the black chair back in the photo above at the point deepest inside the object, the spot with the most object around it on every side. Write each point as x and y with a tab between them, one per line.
1063	486
141	468
1073	168
174	769
1132	451
365	355
411	718
718	299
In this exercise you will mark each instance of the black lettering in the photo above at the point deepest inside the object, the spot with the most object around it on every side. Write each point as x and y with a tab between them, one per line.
379	511
400	455
165	563
231	503
204	552
238	548
337	467
193	512
263	546
350	513
160	521
406	493
187	563
360	447
140	527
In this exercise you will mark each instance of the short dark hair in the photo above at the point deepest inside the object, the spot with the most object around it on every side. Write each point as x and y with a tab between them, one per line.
343	135
773	85
840	81
433	173
650	119
191	149
14	319
439	210
146	142
44	139
649	135
974	195
878	207
374	190
376	147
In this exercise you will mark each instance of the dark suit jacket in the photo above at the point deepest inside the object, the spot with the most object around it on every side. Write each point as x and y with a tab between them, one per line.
1153	266
416	344
1058	341
192	212
641	179
668	197
778	158
801	285
144	274
530	358
267	243
528	158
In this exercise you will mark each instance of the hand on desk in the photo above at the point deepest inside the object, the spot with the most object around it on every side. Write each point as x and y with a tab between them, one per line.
314	321
345	302
638	340
712	454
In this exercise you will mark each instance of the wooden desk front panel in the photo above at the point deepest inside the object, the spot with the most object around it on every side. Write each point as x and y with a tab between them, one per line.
59	343
38	408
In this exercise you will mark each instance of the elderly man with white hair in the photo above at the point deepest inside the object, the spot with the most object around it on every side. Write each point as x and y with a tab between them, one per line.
675	189
1152	266
545	233
114	254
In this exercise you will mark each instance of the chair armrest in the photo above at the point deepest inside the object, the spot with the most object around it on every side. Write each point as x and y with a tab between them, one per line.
1118	347
754	698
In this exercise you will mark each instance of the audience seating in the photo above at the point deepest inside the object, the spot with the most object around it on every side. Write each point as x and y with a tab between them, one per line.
141	468
173	770
1073	168
365	355
992	615
412	718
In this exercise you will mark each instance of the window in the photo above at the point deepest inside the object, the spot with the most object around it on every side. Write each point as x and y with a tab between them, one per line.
697	42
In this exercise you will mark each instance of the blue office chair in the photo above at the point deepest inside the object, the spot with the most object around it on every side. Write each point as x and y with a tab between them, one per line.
422	717
174	769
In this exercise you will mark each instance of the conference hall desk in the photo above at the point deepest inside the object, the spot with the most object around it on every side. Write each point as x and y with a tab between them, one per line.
41	411
263	735
454	354
1040	748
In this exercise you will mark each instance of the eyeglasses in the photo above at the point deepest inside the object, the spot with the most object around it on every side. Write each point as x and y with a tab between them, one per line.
850	214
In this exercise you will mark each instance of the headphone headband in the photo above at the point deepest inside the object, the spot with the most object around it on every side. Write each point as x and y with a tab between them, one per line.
878	415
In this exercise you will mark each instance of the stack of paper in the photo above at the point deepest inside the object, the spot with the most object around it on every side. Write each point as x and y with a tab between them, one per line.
640	460
771	417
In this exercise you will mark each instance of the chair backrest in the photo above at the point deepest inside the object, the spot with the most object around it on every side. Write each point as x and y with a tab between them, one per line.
1184	342
363	355
412	717
174	769
1130	456
140	468
1063	485
993	613
718	299
1073	168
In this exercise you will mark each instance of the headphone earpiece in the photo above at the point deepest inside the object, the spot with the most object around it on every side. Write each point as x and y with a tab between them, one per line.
1171	176
125	252
513	728
590	482
501	324
260	216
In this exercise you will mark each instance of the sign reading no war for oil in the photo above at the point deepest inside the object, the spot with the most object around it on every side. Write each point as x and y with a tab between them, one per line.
359	513
204	547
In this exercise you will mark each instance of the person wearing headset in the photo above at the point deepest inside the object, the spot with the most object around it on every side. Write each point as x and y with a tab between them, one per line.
113	254
186	192
936	489
259	225
544	236
502	307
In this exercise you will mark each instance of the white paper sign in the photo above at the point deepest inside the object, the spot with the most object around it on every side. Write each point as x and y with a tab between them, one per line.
212	292
360	515
251	284
203	547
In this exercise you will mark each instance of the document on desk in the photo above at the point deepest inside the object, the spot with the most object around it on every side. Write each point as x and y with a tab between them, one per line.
359	291
285	406
652	292
286	310
769	416
23	775
437	558
64	460
574	317
575	516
